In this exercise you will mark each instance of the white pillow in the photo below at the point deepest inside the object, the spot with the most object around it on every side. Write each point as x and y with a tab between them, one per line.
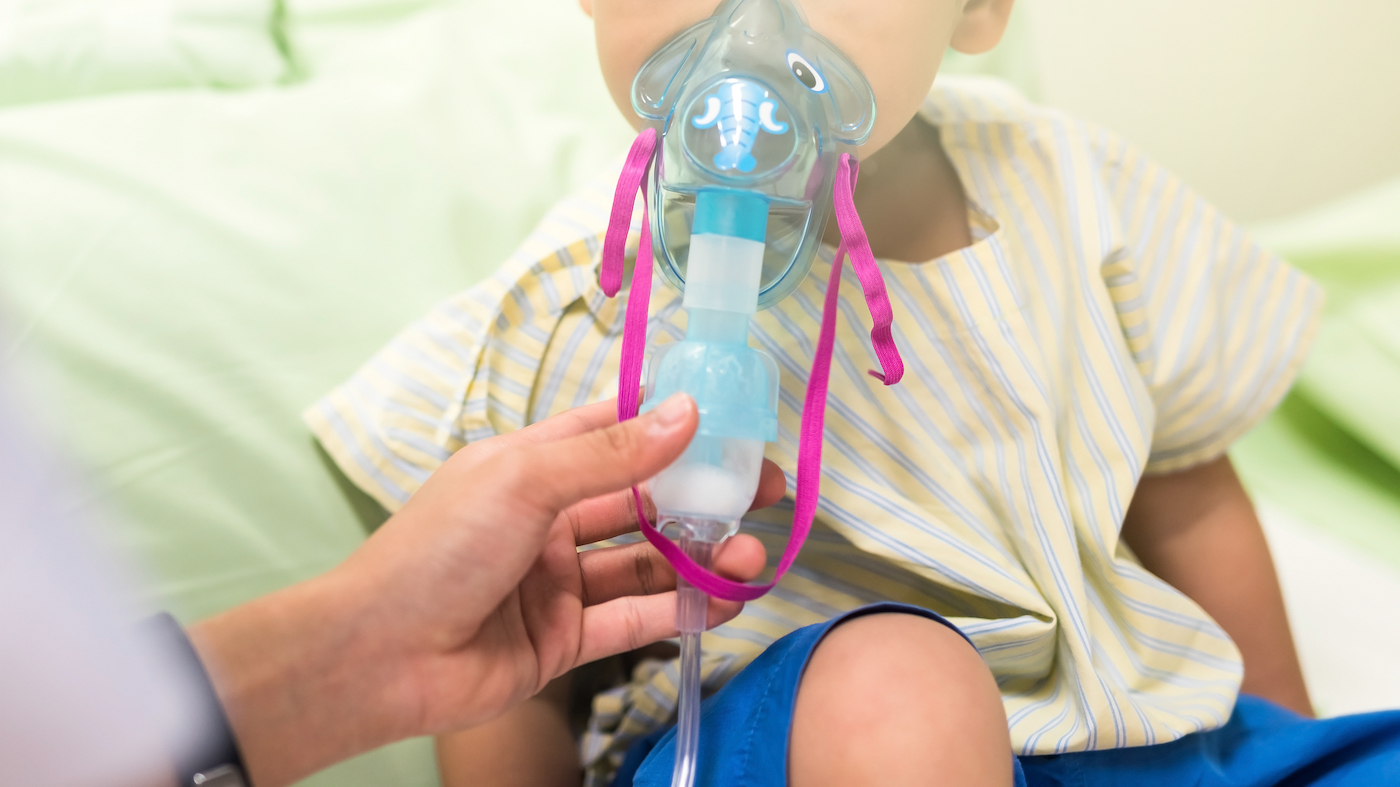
53	49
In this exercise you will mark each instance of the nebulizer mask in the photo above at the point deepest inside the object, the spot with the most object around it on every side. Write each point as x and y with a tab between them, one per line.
751	118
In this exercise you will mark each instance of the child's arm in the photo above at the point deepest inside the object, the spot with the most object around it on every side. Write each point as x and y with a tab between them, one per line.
1197	530
530	746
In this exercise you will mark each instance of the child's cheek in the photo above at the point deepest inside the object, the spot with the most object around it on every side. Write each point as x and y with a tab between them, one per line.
897	44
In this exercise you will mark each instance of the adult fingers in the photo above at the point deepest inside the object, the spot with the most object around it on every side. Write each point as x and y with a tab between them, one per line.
639	570
556	475
611	515
508	504
569	423
558	427
630	622
772	485
607	516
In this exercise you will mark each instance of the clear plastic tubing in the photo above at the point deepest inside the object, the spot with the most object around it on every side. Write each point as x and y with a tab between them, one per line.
697	539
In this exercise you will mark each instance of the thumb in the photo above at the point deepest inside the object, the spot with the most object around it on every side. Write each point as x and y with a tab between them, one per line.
559	474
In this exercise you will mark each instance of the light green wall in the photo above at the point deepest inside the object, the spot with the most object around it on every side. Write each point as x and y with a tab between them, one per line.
1265	106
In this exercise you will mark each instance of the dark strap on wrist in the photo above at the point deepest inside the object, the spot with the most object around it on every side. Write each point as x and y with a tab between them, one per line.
214	759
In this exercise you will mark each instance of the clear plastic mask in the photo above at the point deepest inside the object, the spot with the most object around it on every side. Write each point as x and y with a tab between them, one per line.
751	100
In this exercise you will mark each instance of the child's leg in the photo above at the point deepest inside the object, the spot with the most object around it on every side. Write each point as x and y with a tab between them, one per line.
531	746
887	694
898	699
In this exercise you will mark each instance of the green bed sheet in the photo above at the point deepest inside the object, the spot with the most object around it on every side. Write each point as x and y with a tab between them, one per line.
1331	454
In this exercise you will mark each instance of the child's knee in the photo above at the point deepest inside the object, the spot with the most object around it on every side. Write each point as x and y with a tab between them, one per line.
887	692
880	662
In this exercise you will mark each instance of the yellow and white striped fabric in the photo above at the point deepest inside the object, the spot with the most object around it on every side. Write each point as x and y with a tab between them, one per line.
1105	323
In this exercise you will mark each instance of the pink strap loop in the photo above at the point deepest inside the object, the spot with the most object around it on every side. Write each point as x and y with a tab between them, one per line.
809	449
634	172
876	298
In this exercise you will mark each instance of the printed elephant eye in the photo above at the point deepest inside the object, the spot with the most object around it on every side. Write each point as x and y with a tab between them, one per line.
805	73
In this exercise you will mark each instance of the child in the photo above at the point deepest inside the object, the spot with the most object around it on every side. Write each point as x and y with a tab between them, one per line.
1083	339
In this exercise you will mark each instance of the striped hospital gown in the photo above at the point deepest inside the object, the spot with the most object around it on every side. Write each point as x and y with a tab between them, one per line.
1105	323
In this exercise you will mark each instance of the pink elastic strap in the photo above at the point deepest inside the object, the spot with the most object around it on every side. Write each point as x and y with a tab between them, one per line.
876	298
809	449
634	172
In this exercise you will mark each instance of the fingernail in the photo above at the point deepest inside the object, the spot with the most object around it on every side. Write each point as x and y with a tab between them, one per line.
673	411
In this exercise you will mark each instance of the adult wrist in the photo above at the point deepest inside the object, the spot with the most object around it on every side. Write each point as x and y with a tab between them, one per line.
295	679
211	755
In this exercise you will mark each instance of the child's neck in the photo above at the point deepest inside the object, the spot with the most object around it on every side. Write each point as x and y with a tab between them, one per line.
910	199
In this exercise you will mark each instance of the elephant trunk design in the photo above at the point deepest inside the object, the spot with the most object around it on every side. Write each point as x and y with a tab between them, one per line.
739	109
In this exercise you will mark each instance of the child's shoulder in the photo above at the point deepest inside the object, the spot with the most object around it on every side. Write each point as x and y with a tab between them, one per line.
987	101
979	100
989	116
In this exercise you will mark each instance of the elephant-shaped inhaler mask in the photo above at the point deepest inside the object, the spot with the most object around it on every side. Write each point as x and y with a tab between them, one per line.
751	117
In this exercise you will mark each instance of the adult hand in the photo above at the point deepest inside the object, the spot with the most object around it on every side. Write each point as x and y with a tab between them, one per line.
467	601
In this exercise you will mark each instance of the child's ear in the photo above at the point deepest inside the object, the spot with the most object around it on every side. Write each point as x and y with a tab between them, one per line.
982	25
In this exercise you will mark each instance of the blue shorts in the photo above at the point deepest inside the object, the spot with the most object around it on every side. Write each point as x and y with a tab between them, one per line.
744	733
